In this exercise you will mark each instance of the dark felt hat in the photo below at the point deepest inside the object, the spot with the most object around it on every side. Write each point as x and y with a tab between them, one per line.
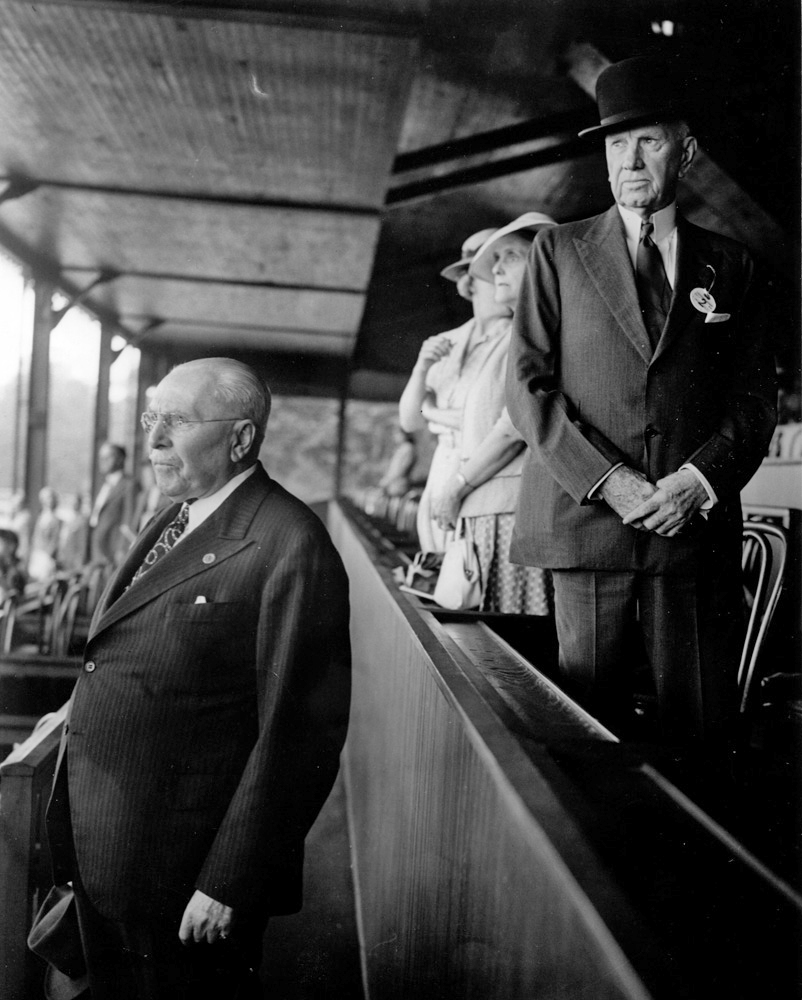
636	91
55	938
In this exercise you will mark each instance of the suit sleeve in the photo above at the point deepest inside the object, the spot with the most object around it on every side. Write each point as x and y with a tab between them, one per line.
576	454
303	689
731	455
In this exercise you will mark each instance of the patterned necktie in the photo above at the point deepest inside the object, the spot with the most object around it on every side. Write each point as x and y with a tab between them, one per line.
167	539
654	291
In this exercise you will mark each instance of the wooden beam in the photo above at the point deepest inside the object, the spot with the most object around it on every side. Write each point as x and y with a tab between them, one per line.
553	153
338	16
17	186
496	139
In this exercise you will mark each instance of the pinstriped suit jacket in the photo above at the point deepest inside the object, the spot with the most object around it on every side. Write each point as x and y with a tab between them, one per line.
207	737
586	391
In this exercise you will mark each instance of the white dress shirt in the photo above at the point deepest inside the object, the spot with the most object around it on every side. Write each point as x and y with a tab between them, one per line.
206	506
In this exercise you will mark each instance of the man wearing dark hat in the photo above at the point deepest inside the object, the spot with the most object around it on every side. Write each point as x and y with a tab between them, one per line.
640	376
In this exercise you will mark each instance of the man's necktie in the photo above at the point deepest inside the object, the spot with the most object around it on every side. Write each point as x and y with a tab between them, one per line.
654	291
166	541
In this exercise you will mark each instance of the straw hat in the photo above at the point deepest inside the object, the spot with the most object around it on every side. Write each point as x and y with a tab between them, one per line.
527	225
455	271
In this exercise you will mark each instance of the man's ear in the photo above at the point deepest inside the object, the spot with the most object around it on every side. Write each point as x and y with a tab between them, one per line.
689	147
244	435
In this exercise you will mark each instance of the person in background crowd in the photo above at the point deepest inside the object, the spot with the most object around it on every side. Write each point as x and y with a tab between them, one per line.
640	376
74	538
205	730
43	559
112	509
150	499
447	366
21	524
12	577
396	480
484	487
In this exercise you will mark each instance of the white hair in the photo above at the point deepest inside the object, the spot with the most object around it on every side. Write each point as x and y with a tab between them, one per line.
237	385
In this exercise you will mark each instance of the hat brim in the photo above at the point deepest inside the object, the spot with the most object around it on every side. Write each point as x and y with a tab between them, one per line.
630	121
455	271
481	266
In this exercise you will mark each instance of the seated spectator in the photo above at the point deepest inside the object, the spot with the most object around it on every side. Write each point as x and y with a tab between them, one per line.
12	578
21	524
45	539
396	480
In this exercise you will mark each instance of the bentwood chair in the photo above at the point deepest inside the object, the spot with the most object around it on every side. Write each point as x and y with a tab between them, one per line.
763	563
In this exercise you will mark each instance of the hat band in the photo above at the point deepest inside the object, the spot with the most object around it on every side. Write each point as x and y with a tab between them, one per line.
664	114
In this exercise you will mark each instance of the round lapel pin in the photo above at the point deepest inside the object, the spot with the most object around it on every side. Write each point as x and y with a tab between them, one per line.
702	300
209	558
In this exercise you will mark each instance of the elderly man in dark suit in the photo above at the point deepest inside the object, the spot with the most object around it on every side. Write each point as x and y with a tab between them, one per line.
205	730
640	376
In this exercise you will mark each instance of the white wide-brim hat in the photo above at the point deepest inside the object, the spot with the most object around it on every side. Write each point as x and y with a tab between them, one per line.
482	265
468	251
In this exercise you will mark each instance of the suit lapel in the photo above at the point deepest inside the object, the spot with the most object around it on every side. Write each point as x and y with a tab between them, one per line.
221	536
693	256
604	255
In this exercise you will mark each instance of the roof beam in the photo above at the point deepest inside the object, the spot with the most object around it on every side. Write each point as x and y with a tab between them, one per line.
332	16
235	282
566	150
19	185
565	122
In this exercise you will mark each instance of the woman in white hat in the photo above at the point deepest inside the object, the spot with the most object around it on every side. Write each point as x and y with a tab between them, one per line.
447	366
484	486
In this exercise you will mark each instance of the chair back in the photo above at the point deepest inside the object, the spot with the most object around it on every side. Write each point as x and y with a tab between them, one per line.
64	626
8	614
763	562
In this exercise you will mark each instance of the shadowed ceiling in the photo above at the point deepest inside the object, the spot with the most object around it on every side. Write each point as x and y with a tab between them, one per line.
284	181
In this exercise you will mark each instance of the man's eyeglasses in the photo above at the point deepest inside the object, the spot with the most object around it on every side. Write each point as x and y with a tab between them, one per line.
175	421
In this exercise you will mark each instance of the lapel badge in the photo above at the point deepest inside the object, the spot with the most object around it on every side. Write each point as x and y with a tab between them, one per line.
209	558
702	298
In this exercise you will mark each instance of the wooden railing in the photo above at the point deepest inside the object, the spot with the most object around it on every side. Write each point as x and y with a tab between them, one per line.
506	845
25	780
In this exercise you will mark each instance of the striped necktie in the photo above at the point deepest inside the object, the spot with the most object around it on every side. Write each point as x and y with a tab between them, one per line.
654	291
167	539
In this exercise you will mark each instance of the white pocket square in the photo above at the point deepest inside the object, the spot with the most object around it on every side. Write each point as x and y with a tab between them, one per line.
717	317
200	599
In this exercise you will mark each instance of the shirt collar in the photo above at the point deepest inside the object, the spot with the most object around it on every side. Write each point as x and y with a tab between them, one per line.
665	222
206	506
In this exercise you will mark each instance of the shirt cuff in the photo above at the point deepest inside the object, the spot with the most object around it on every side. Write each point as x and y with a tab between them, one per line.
593	493
712	497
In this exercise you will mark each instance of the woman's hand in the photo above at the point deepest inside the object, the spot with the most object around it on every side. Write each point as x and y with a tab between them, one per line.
447	502
432	350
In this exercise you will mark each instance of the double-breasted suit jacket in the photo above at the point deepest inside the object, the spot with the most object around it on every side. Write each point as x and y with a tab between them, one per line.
203	737
586	391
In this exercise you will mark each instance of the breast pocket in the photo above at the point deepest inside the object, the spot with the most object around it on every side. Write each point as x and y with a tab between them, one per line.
211	645
207	612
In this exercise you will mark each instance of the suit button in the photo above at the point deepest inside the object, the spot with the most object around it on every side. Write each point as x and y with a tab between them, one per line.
651	431
90	666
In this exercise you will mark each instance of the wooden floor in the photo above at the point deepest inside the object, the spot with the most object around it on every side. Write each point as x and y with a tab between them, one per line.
314	954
